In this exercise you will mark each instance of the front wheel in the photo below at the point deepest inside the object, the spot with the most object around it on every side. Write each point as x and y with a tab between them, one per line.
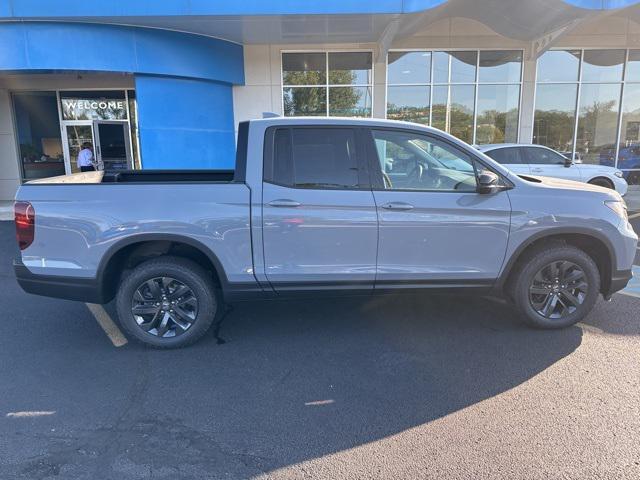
556	287
167	302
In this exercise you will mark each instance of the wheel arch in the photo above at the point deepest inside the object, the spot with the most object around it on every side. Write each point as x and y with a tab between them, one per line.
600	177
129	252
594	244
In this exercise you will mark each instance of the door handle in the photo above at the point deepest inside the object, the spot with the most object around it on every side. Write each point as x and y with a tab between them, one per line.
284	202
397	206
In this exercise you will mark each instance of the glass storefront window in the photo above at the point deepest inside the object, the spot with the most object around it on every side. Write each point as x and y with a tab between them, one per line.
452	106
350	68
555	115
497	112
304	69
632	72
38	132
350	101
602	65
410	103
597	121
305	101
497	66
629	149
345	91
559	66
455	67
93	105
598	82
409	68
461	108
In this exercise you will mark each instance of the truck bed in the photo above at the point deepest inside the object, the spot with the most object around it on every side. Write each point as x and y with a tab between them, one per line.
143	176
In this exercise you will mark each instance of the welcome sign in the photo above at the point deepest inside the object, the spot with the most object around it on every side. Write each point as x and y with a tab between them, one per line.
93	109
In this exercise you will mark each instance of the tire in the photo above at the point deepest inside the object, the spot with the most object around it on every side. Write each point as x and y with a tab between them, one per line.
602	182
151	287
534	298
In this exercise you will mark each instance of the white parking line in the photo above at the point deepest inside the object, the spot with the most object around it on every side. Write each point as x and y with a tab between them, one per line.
109	327
635	215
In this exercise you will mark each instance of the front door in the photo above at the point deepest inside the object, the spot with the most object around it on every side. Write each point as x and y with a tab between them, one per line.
435	229
77	136
112	145
320	228
548	163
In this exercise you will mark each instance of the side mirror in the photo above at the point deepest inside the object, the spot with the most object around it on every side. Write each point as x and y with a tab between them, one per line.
488	182
568	162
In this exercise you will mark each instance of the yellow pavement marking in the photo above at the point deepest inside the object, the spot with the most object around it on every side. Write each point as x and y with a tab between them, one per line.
109	327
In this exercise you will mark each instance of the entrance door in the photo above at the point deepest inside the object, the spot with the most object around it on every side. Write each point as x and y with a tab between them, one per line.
77	135
112	146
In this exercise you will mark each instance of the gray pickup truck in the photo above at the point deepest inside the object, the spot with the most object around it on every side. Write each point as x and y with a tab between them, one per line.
321	206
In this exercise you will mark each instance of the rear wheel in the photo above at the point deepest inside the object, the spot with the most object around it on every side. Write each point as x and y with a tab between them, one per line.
556	287
602	182
167	302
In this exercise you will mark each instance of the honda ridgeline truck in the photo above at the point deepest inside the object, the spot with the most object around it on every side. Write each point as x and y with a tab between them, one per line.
321	206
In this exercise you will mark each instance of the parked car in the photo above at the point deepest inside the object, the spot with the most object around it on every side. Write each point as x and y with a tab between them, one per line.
321	206
526	159
628	160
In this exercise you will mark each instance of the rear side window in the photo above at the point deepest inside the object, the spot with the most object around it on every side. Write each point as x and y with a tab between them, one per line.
314	158
506	156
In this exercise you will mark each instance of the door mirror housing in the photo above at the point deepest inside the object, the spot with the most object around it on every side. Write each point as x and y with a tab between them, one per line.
489	182
568	162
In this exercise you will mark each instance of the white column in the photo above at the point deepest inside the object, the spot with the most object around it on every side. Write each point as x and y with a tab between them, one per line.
527	103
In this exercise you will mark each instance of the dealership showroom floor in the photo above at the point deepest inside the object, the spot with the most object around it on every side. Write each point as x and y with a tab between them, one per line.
393	387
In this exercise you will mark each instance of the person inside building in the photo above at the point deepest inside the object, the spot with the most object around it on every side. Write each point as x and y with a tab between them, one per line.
86	161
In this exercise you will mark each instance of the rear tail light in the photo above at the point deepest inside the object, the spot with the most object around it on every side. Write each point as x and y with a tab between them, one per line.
25	217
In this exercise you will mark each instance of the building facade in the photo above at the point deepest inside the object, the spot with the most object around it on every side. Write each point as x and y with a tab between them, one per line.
164	84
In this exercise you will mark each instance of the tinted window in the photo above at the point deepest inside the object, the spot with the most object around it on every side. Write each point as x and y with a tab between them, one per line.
542	156
413	161
315	158
506	156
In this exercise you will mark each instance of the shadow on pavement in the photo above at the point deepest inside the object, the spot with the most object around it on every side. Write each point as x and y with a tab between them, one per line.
294	381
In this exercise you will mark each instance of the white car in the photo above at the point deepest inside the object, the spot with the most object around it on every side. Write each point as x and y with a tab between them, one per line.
526	159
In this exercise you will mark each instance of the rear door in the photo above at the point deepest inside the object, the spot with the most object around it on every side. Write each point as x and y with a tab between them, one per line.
320	228
512	158
547	163
435	229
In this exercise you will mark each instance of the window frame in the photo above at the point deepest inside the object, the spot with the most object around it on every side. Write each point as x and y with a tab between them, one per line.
476	83
364	179
375	169
327	85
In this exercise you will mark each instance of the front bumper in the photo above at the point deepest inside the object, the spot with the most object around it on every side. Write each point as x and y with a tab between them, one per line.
619	281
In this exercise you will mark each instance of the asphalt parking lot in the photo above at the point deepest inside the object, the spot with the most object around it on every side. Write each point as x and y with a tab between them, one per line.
394	387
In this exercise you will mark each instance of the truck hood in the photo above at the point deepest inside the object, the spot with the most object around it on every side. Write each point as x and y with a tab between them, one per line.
561	184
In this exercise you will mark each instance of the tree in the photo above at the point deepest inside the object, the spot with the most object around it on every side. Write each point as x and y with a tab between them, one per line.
312	99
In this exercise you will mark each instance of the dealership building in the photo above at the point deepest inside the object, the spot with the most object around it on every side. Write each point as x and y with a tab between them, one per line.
163	84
